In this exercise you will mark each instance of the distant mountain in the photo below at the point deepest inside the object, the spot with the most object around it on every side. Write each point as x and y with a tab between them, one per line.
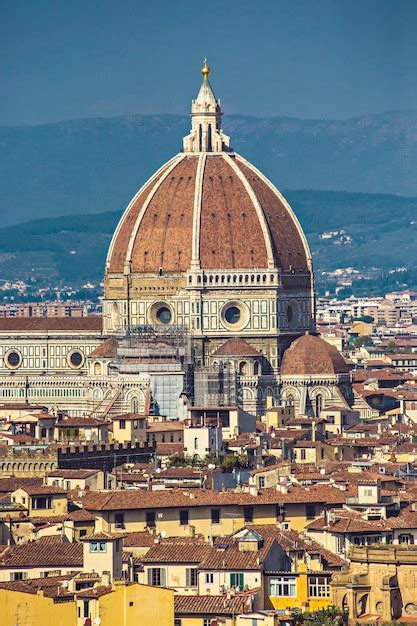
344	229
96	165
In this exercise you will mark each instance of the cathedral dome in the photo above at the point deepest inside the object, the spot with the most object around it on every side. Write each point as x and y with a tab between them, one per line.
213	211
310	355
207	209
209	244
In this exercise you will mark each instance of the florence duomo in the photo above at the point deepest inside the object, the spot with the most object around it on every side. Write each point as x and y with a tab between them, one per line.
208	277
208	313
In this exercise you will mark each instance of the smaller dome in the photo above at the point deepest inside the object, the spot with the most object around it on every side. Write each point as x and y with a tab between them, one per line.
310	355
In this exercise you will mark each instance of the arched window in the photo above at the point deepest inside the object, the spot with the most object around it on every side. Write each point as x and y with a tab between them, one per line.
319	404
116	316
243	368
97	369
209	139
200	138
135	405
256	368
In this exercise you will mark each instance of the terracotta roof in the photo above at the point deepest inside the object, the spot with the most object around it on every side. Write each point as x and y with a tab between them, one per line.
191	551
161	427
345	521
102	536
73	473
235	346
139	539
293	541
95	592
92	323
311	355
174	498
40	554
128	416
225	555
50	585
74	421
42	490
231	233
106	350
80	515
210	605
7	485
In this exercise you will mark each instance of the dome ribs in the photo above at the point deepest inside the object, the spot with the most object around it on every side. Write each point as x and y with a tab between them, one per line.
288	243
165	234
229	223
127	223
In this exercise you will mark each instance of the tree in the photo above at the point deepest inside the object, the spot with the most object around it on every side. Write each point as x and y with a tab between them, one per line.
332	616
363	340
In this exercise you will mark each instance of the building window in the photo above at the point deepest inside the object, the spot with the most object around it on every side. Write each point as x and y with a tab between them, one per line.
83	532
318	587
406	538
303	454
283	586
119	520
248	513
177	622
310	511
191	577
18	575
184	515
13	359
86	608
42	503
280	512
209	578
340	544
122	424
261	482
150	519
319	405
237	579
98	546
157	576
215	516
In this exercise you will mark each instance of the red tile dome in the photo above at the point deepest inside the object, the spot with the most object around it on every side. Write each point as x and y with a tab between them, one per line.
311	355
213	211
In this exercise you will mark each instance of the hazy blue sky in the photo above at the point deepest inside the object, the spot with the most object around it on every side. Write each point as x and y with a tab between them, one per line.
62	59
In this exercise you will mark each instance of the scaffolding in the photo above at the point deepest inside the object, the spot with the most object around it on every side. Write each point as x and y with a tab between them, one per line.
215	385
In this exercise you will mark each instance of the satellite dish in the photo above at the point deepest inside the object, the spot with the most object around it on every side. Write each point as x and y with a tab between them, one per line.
273	435
322	471
97	621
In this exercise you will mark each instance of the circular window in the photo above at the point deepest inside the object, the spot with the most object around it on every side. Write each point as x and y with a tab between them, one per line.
13	359
232	315
293	314
163	315
75	359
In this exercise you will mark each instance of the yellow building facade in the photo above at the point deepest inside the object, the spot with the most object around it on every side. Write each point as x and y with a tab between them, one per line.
122	605
304	590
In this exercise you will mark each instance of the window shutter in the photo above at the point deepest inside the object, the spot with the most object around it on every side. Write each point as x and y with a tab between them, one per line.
149	576
163	577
